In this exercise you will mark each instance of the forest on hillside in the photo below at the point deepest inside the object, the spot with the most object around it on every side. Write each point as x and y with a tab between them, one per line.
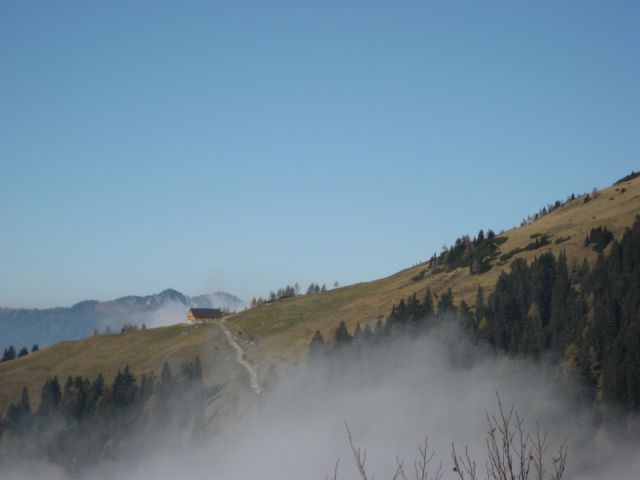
85	421
585	317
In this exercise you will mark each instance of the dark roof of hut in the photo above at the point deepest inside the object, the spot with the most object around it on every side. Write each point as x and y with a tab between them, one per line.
206	312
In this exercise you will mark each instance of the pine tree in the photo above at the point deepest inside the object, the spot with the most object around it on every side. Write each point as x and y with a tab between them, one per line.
466	317
357	333
50	398
445	303
559	298
97	388
317	347
147	386
25	403
533	334
66	404
125	388
342	337
427	304
18	415
165	391
479	306
9	354
166	376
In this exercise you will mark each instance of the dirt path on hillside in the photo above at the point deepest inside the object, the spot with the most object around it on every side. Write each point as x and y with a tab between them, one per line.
241	359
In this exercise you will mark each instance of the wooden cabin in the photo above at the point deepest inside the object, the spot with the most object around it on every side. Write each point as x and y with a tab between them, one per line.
204	314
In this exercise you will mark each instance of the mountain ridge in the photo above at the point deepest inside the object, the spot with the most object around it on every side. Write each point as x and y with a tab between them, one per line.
46	326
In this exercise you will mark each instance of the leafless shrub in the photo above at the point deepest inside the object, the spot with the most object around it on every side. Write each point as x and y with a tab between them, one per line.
512	454
335	472
421	464
359	456
464	467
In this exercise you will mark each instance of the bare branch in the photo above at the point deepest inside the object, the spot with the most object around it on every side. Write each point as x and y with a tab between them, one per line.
422	463
464	467
512	454
399	475
560	461
360	457
335	472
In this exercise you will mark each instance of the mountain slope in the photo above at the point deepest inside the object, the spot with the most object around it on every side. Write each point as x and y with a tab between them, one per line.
279	333
283	330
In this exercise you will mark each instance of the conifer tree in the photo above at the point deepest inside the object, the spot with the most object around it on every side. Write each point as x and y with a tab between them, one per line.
124	388
317	347
559	296
18	414
357	333
427	304
479	306
9	354
342	336
97	389
50	398
445	303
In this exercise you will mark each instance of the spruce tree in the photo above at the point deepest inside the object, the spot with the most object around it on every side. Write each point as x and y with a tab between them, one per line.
317	347
18	415
559	298
165	392
427	304
125	388
342	337
445	303
357	334
9	354
50	398
25	403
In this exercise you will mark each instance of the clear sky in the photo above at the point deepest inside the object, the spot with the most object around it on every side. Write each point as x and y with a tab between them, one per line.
240	145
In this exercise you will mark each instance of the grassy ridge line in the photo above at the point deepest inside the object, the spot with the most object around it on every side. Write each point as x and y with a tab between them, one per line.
282	330
279	333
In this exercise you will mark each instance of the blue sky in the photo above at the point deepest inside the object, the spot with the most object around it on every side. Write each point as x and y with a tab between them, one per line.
241	145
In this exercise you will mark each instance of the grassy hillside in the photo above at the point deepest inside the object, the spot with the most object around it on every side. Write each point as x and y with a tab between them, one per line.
144	351
278	333
282	330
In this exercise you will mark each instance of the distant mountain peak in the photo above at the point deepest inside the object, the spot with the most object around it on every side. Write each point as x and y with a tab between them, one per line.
22	326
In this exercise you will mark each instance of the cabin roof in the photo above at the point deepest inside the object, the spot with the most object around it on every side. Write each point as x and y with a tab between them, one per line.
205	312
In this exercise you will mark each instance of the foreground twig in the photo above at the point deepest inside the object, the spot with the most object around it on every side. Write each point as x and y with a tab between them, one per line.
512	454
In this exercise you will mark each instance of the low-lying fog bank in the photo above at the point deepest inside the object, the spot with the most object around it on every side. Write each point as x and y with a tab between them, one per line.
439	385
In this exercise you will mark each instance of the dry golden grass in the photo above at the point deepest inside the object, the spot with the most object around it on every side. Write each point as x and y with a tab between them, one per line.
278	334
144	351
